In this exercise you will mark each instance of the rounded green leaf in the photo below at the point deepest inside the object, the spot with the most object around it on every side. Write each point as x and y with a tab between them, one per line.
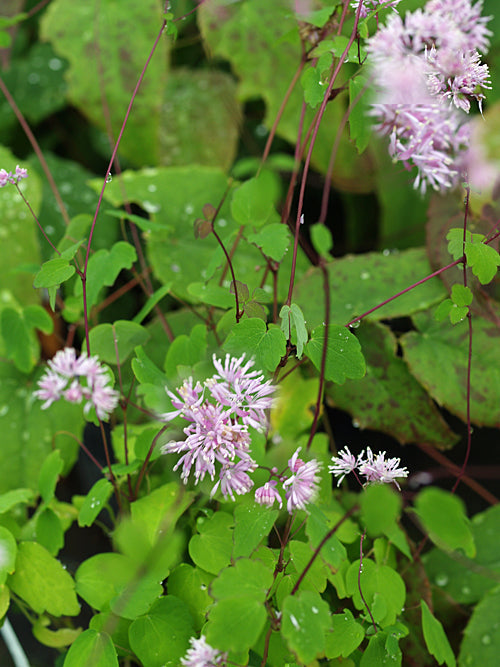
191	585
252	337
344	358
481	643
42	582
435	637
92	648
94	502
383	590
122	335
49	474
306	617
380	508
248	578
212	548
443	516
53	273
252	523
161	637
49	531
234	624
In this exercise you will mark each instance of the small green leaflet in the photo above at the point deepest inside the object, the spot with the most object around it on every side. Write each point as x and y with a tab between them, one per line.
292	319
482	258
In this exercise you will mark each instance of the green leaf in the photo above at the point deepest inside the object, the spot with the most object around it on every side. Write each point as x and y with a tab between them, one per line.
380	509
16	497
252	202
114	580
94	502
461	295
246	578
8	549
49	531
345	636
212	548
272	239
437	357
186	351
483	260
42	582
16	336
252	523
481	643
54	638
152	301
333	551
191	584
104	267
159	511
145	370
321	238
360	129
293	319
313	82
121	337
235	623
53	273
359	282
49	474
344	358
199	103
301	554
92	648
161	637
435	638
76	33
306	617
463	580
443	517
251	336
389	398
383	590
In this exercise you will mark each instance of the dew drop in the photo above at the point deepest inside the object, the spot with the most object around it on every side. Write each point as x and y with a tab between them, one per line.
364	275
355	423
465	590
486	639
55	64
109	177
152	187
189	208
441	579
354	325
3	410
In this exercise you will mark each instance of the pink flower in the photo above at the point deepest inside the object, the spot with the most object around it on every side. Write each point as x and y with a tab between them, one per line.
343	464
4	177
379	469
51	386
371	5
75	379
8	177
303	483
268	494
219	414
21	173
202	654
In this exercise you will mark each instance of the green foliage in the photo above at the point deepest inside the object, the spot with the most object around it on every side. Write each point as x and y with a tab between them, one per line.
113	343
17	329
306	618
435	637
443	516
211	549
344	358
292	319
94	502
92	648
252	337
42	582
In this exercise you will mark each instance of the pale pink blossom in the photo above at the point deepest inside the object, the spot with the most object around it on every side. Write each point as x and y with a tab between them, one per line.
268	494
375	468
343	464
202	654
302	486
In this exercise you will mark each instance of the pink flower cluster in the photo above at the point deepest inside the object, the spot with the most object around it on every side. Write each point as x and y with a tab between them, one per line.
220	413
300	487
375	469
77	379
426	70
202	654
9	177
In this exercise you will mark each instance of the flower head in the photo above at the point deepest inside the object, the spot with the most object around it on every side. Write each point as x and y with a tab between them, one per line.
268	494
14	178
375	469
202	654
76	379
219	414
302	486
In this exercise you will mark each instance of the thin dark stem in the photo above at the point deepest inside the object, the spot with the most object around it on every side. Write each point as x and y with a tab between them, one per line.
420	282
111	161
469	359
359	580
146	460
324	352
108	462
37	220
329	534
230	265
265	652
38	151
80	444
307	163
